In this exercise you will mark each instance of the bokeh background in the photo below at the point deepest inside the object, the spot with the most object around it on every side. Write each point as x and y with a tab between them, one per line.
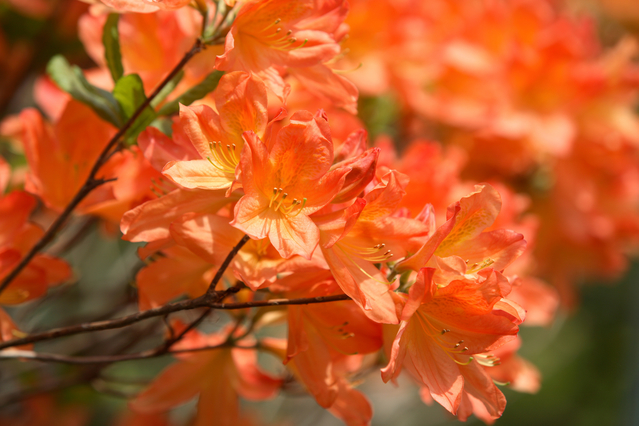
587	356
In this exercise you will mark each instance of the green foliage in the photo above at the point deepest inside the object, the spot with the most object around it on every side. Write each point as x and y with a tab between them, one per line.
111	42
129	92
71	80
205	87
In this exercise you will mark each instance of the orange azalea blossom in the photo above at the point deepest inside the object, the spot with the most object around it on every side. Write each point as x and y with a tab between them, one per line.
288	182
151	44
444	330
299	36
325	345
216	375
60	161
175	272
321	345
241	104
59	157
461	246
17	236
366	233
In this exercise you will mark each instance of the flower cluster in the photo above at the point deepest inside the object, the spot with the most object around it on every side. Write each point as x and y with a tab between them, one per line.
250	180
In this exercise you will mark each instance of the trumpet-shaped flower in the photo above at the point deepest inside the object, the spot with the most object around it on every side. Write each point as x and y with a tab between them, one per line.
217	136
443	327
364	234
461	246
287	183
216	375
300	36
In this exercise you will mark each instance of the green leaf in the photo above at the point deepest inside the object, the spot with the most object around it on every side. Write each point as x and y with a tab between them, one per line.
193	94
129	92
166	90
111	42
71	80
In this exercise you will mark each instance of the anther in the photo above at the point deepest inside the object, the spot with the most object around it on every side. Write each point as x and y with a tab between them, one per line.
233	145
277	21
289	32
465	349
278	30
292	40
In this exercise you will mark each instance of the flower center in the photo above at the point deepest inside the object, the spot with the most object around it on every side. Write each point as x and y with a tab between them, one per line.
440	338
223	157
279	39
277	203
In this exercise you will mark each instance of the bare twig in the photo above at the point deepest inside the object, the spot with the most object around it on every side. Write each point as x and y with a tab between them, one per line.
107	359
163	310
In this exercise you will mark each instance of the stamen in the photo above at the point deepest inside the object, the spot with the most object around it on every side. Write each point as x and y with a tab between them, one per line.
281	200
276	193
301	207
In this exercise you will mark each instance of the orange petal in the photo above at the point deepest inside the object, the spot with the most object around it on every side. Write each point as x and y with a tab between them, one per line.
197	174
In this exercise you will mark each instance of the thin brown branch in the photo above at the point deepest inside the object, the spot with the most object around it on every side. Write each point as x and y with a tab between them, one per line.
163	310
211	295
92	181
280	302
106	359
220	272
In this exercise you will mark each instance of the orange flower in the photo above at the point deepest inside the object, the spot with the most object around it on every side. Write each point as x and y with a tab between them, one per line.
287	183
17	236
325	346
59	156
216	375
299	36
176	272
60	159
442	327
365	233
241	103
461	246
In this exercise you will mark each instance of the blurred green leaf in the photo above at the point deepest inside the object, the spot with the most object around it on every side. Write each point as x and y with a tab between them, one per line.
207	85
111	42
71	80
129	92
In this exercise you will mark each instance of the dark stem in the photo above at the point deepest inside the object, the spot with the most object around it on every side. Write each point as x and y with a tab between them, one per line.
91	181
211	296
163	310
